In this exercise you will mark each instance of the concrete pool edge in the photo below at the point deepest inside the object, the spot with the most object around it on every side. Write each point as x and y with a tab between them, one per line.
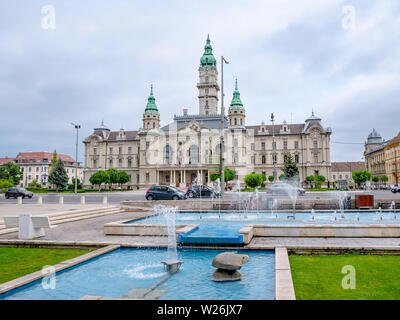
284	288
18	282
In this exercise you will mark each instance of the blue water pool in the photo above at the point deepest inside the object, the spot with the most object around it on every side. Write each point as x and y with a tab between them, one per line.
224	227
117	272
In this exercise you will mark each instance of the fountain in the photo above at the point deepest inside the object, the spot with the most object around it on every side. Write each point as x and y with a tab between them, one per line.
171	264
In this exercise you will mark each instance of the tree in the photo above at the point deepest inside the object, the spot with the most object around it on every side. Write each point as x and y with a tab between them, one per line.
228	174
113	176
99	177
5	184
123	178
53	161
384	179
375	179
289	166
271	178
59	177
11	170
78	183
360	176
317	179
35	184
253	180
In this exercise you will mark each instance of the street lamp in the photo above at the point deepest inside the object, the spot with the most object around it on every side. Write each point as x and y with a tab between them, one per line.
77	127
273	146
222	126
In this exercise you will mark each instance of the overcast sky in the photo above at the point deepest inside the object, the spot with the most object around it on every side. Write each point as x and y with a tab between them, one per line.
289	57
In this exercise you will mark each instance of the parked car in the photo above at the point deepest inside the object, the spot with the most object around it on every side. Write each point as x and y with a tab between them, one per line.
164	193
18	192
202	191
384	187
395	188
282	189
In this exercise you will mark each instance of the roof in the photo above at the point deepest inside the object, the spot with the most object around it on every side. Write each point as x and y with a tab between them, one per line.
208	60
129	135
6	160
212	121
236	101
38	157
347	166
394	140
292	129
151	102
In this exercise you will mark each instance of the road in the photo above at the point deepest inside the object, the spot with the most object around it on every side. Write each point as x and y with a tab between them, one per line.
117	197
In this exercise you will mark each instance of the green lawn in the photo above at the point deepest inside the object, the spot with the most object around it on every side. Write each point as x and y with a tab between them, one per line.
320	277
17	262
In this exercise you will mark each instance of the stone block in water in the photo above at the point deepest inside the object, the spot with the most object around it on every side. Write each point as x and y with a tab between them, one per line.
230	261
221	275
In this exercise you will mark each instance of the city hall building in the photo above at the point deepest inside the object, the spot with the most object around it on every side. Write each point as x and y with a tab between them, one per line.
190	145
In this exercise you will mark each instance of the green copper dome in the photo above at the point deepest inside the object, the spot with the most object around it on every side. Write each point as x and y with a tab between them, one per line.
151	102
236	102
208	60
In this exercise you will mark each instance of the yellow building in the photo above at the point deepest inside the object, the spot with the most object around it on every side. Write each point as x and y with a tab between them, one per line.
392	160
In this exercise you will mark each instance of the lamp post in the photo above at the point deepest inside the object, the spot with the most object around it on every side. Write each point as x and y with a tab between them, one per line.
273	147
77	127
222	127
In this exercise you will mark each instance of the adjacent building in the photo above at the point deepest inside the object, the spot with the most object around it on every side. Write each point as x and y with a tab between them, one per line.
374	154
392	160
341	172
6	160
190	145
36	166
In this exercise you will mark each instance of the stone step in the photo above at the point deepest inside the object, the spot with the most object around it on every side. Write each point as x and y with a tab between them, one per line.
78	214
55	222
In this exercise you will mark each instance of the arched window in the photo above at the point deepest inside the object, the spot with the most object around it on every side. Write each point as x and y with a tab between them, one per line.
241	122
194	154
206	78
263	159
154	125
235	122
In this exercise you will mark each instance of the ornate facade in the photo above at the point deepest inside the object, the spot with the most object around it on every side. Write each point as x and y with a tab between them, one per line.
190	145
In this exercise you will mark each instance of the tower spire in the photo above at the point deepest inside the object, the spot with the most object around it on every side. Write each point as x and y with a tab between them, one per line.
151	102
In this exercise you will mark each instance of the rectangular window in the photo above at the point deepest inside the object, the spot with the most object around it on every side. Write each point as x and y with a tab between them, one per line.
138	178
296	158
129	150
315	144
94	164
111	163
29	169
129	163
285	145
296	144
315	158
120	150
235	141
252	147
262	145
147	145
37	169
147	177
120	163
252	159
111	150
334	177
274	145
94	151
